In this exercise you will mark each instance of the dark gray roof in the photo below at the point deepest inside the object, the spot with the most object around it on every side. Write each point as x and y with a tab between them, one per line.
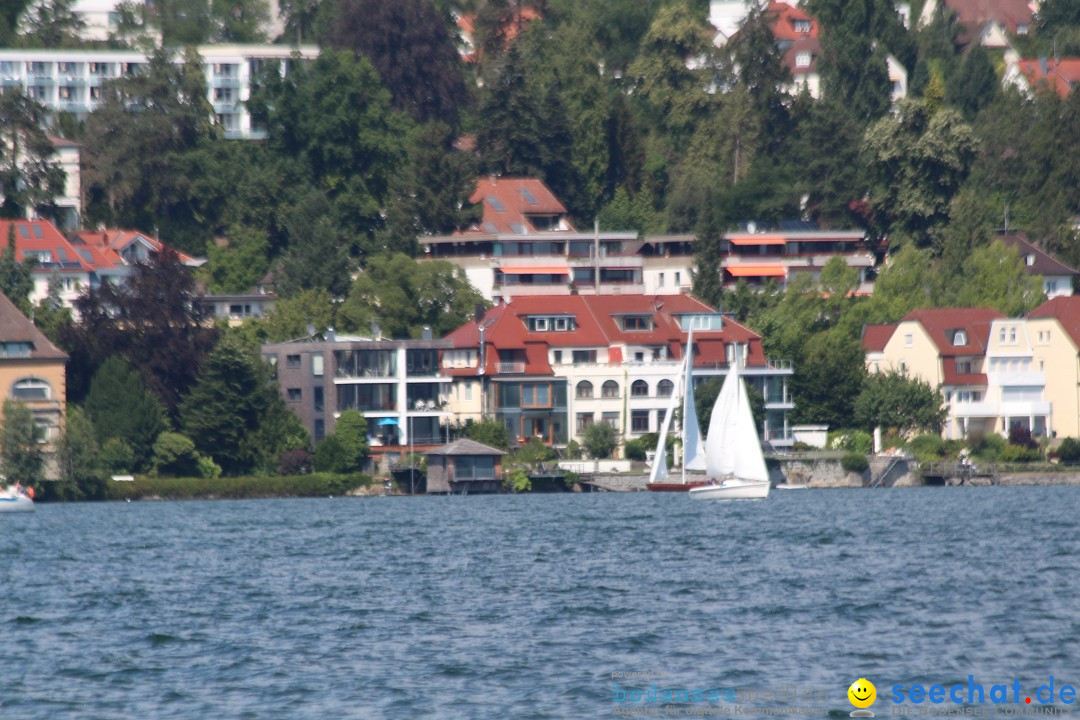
15	327
465	446
1042	263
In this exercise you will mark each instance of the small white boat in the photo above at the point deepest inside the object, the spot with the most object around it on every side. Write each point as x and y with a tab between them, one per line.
789	486
15	499
734	460
733	489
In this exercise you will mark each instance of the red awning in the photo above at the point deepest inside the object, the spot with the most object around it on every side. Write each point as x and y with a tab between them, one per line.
756	270
536	270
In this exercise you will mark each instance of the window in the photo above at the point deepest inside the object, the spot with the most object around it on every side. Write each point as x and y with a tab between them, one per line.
802	59
610	389
660	280
294	394
909	340
31	389
538	395
271	360
584	389
802	26
16	349
677	280
584	420
582	357
95	93
318	399
639	421
223	95
633	323
320	429
665	388
610	418
960	337
639	388
556	357
963	367
317	364
1001	336
549	323
1012	336
292	362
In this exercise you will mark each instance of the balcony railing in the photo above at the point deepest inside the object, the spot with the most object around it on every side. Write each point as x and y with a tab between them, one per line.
510	368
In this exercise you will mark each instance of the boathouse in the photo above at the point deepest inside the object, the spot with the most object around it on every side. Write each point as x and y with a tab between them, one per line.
464	467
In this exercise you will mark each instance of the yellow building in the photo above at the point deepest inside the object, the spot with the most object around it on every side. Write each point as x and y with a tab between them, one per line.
1054	328
32	371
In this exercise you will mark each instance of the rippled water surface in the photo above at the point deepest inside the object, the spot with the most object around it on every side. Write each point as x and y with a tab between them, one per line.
524	606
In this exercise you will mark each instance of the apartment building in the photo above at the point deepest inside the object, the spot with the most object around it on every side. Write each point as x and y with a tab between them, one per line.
759	255
71	81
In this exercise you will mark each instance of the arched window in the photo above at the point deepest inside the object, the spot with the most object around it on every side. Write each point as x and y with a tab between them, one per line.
31	389
584	389
639	388
610	389
664	388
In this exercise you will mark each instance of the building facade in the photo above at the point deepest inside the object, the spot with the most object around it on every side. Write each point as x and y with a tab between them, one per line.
398	385
757	256
71	81
525	244
548	367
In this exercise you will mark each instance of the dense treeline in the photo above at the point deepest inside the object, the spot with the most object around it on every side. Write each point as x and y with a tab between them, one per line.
626	109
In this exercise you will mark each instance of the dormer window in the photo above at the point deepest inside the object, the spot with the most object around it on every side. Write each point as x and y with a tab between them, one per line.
802	59
959	337
637	323
550	323
802	26
1029	259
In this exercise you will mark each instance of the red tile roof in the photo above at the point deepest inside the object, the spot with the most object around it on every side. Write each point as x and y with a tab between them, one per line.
1041	262
975	14
16	328
804	44
1067	311
1060	76
596	325
508	202
785	16
941	325
41	239
876	337
112	243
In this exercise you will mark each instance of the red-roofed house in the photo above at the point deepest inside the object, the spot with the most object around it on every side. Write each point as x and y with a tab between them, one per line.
990	22
1060	76
512	23
525	244
551	366
87	260
982	362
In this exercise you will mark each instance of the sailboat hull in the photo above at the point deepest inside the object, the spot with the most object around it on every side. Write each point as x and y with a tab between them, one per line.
675	486
732	490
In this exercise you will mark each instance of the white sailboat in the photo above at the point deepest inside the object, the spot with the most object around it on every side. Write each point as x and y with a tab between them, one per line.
14	498
735	463
693	448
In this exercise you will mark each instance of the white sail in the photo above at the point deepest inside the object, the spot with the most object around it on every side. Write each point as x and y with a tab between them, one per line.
693	445
659	470
732	447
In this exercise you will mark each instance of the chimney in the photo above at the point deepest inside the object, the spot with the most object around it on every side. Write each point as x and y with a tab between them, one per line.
426	333
478	312
1042	65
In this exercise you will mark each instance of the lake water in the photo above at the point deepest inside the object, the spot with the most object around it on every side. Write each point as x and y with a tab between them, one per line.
525	606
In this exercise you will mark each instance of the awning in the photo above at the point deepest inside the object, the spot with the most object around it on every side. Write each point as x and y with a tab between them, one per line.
387	421
758	240
536	270
756	270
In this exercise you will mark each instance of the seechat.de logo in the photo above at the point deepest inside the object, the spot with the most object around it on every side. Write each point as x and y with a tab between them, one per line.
862	694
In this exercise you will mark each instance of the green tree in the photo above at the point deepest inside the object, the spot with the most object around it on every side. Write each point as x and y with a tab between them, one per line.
21	457
332	124
175	456
893	400
905	283
237	265
825	148
318	254
30	177
290	317
16	279
239	21
351	432
134	143
77	453
119	406
403	296
430	196
50	315
599	440
410	44
51	24
974	84
917	162
231	407
117	457
995	276
488	432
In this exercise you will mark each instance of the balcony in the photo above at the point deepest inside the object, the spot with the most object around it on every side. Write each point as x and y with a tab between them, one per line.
510	368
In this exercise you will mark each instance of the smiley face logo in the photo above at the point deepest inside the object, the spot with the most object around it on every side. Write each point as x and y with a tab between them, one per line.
862	693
